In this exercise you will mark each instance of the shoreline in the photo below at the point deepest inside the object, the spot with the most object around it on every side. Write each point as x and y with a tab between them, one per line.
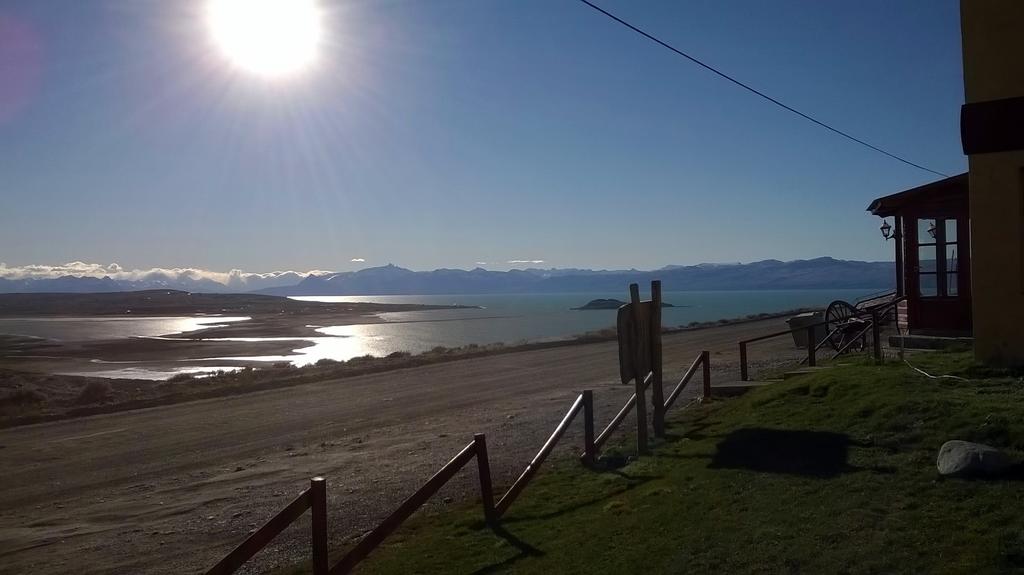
28	397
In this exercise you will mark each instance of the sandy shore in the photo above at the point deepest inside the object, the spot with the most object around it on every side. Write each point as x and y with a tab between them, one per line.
269	317
171	489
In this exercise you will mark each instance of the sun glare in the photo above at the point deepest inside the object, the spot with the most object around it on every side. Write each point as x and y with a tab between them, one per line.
271	38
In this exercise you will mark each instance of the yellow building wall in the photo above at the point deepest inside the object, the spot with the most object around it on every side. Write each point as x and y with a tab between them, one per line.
993	50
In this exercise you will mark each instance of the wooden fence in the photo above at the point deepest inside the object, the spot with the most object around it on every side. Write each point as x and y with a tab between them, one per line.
477	448
316	496
876	316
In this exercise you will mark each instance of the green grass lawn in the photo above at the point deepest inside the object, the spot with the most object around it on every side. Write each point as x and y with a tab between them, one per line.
831	473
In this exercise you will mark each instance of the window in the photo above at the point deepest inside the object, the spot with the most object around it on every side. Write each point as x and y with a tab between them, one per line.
938	263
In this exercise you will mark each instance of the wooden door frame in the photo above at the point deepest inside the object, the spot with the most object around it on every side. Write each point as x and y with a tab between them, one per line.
918	304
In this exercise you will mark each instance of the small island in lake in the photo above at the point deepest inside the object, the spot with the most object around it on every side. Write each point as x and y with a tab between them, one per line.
608	304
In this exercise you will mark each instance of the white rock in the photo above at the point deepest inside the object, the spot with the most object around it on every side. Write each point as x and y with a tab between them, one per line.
958	457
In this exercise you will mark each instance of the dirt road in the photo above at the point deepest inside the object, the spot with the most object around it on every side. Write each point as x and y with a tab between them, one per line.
171	489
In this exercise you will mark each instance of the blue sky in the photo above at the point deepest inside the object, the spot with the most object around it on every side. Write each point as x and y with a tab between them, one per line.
443	133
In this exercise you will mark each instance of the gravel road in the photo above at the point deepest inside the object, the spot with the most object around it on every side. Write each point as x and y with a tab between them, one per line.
171	489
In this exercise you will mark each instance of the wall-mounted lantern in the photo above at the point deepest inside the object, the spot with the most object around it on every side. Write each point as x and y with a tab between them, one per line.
886	230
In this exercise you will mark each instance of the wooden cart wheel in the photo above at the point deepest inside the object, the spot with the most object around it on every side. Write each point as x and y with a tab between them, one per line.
838	316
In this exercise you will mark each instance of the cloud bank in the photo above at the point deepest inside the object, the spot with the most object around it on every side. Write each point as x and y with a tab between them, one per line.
235	278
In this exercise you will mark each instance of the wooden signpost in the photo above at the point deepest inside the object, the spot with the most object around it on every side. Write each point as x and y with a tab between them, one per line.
639	331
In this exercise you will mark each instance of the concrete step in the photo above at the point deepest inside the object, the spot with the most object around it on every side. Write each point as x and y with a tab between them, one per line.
929	342
803	371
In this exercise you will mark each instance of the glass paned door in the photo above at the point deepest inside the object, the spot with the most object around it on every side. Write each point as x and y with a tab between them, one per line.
938	253
927	258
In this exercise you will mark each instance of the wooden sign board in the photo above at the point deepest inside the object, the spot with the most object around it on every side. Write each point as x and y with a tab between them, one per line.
639	329
634	341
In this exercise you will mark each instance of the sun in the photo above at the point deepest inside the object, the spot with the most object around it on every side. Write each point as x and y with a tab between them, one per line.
270	38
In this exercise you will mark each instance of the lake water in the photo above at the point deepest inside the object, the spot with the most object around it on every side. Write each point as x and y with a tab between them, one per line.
519	318
539	317
99	328
496	318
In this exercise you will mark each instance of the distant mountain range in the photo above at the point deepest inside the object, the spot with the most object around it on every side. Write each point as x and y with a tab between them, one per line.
184	282
819	273
769	274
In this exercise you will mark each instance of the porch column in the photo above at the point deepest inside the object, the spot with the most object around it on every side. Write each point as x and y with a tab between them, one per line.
993	49
899	256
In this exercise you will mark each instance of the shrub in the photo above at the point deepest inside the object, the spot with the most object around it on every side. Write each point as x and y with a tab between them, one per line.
21	397
94	392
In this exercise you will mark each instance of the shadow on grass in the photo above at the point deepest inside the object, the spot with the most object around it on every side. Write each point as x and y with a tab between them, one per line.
691	430
634	481
525	550
819	454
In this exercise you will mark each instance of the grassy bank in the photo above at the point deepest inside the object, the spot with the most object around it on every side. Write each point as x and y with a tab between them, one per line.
832	473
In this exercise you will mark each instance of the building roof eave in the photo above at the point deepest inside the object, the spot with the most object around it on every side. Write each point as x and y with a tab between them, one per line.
893	204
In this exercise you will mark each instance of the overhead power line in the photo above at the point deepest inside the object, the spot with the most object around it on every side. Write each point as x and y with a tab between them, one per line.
758	92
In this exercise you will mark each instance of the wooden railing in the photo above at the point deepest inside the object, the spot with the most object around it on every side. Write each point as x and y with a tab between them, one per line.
702	360
314	498
873	325
621	415
477	448
811	347
583	401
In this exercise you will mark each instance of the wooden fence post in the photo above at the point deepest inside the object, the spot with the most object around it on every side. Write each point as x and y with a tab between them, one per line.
589	450
641	417
876	333
638	377
371	540
484	467
657	389
263	536
705	358
531	468
318	505
744	376
812	345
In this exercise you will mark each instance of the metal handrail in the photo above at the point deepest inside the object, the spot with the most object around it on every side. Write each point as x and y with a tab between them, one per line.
842	350
874	296
895	301
875	312
811	349
785	332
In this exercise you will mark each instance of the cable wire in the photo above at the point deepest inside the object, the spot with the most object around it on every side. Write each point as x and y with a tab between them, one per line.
758	92
930	376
